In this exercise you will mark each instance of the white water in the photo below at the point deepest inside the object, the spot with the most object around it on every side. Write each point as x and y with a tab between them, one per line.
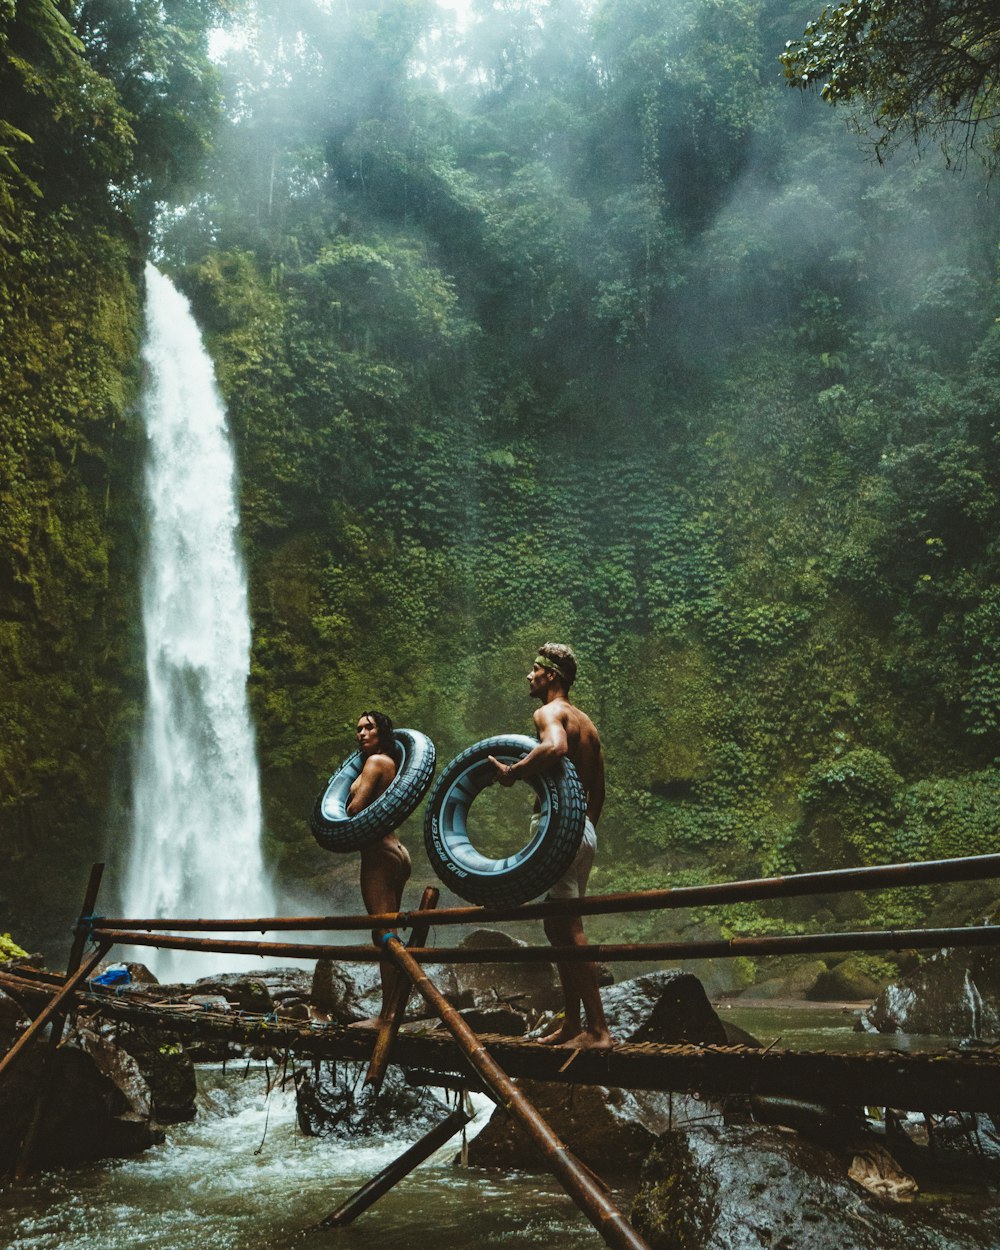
195	848
242	1177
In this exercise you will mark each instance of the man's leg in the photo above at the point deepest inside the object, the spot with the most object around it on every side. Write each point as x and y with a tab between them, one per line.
558	932
579	980
385	870
580	988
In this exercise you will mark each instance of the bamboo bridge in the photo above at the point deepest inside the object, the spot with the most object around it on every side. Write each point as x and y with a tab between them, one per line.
455	1056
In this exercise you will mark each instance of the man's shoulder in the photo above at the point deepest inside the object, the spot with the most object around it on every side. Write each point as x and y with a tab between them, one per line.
566	714
558	710
583	725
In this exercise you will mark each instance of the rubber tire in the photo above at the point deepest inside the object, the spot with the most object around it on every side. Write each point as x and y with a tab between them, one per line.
539	864
330	824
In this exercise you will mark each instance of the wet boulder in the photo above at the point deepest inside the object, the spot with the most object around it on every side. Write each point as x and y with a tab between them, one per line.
347	992
242	991
139	974
848	980
799	981
612	1130
955	993
168	1070
228	990
737	1187
500	1020
344	992
95	1104
669	1007
523	987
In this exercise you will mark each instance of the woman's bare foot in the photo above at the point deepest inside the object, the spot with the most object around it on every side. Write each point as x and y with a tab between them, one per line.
374	1022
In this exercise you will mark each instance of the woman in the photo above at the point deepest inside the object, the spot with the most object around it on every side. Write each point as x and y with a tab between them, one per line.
385	864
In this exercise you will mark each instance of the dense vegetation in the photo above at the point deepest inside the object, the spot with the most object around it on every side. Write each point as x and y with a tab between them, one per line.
566	327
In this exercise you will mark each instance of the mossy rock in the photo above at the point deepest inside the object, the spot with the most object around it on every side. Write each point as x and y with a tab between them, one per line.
849	981
797	982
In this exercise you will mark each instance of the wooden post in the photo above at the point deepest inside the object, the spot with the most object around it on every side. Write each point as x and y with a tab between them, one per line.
380	1184
588	1196
394	1009
80	931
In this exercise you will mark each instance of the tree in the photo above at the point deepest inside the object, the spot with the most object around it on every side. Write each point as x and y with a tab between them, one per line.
153	54
926	69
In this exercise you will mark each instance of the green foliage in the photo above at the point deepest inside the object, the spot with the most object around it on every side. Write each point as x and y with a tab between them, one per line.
858	798
919	69
9	949
585	333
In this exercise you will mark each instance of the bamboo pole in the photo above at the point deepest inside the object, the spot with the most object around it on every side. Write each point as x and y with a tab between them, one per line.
82	926
718	948
395	1007
393	1173
831	881
576	1180
55	1005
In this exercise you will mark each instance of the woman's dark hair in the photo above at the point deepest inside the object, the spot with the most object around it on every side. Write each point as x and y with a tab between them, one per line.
386	733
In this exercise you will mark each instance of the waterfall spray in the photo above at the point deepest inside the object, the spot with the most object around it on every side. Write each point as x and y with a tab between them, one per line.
195	848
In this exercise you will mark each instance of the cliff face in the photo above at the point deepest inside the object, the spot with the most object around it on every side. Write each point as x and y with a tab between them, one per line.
68	574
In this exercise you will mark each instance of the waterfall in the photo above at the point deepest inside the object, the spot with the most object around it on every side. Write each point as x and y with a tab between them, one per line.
195	845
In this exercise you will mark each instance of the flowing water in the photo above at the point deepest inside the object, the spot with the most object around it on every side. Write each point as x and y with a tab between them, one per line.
242	1177
195	847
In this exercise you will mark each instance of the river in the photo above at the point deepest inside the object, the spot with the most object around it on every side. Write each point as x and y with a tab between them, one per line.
242	1177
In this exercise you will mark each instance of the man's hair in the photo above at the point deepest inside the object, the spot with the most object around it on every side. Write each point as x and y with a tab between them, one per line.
563	660
386	733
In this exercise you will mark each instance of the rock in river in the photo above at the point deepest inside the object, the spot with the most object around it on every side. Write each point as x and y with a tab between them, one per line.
955	993
613	1130
739	1187
96	1104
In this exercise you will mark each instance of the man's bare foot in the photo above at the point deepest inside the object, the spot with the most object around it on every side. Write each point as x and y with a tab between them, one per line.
558	1037
374	1022
588	1039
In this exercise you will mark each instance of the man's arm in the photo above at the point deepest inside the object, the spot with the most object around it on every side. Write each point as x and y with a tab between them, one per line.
372	781
553	745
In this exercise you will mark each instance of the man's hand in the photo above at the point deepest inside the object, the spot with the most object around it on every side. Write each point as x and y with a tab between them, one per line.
503	772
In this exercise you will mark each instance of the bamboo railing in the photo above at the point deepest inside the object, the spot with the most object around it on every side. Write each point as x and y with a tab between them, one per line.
586	1190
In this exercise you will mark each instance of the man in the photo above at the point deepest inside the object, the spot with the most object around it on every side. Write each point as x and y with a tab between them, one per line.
385	864
564	729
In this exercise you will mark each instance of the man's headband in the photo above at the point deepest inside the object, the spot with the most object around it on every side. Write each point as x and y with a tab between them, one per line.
544	662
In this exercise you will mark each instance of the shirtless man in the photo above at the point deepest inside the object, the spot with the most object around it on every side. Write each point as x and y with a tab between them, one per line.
385	864
564	730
